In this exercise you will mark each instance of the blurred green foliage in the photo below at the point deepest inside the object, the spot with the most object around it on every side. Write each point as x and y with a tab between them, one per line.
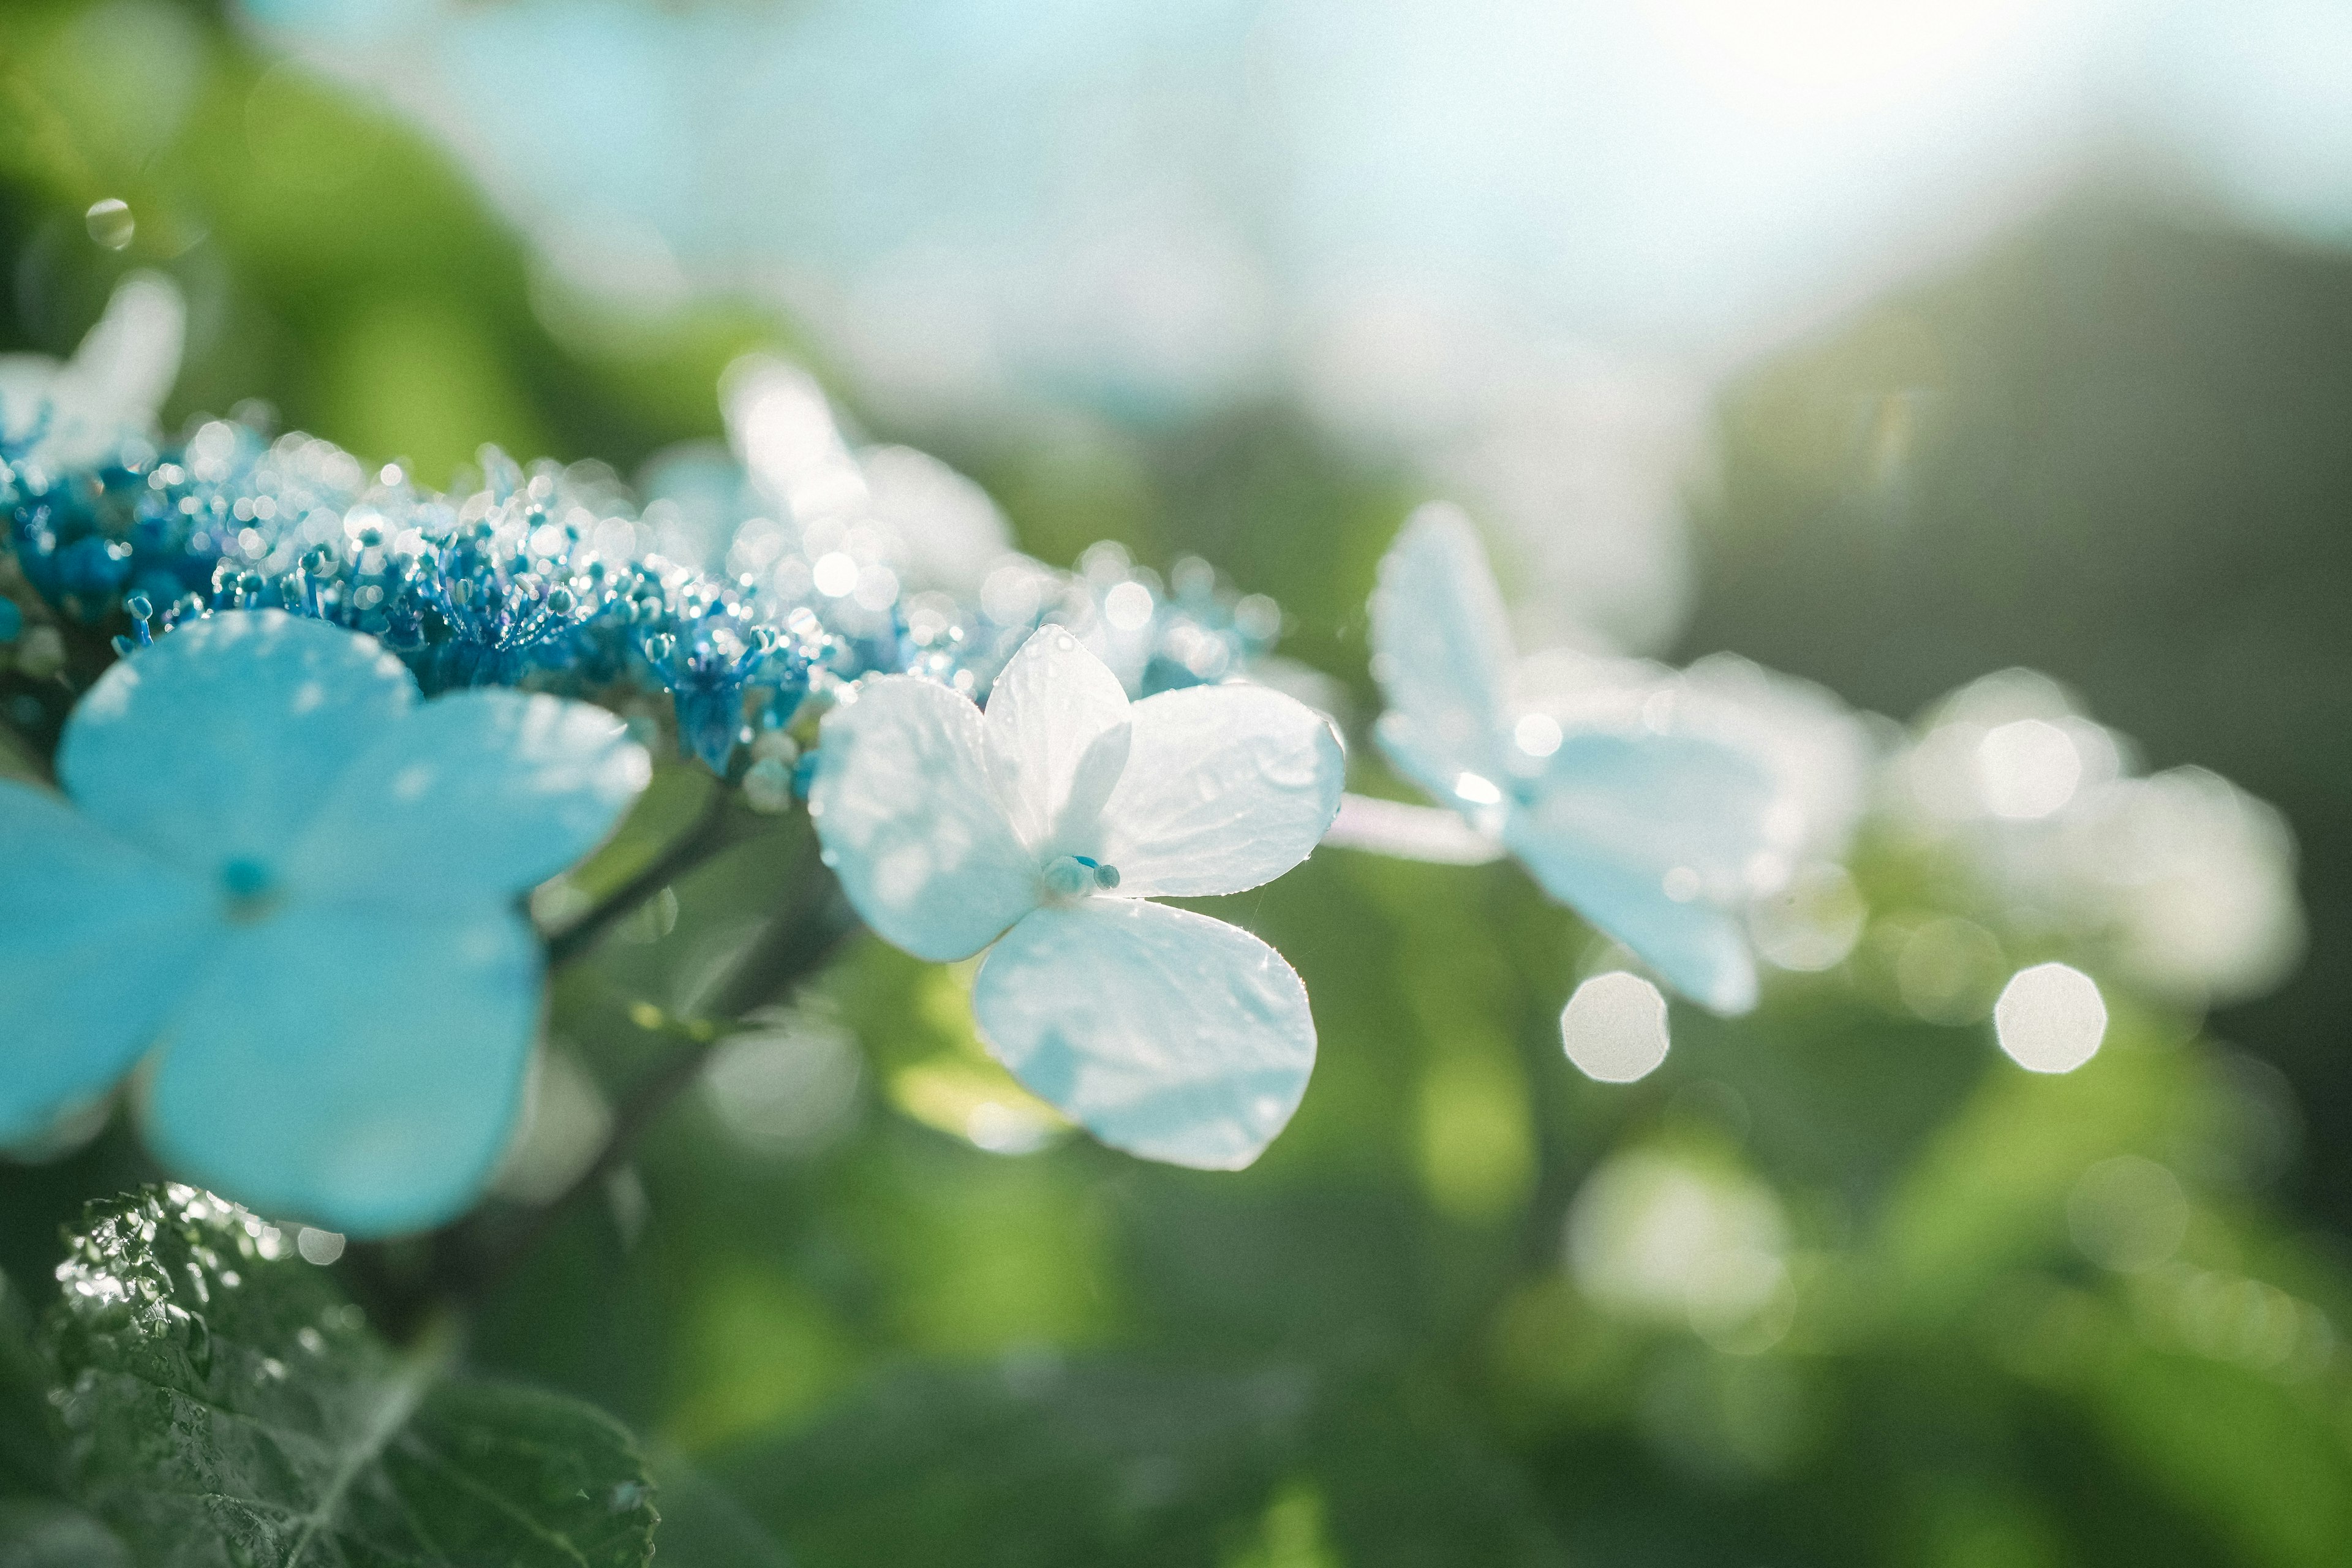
2001	1318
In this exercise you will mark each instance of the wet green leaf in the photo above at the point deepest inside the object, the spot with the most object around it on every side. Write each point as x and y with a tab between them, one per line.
224	1404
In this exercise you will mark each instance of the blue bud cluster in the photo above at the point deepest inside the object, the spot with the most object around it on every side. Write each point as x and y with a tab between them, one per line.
543	579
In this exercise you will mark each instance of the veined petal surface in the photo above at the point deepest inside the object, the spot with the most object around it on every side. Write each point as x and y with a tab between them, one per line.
1057	741
1163	1032
98	941
475	795
1648	837
1441	653
360	1068
909	824
1225	787
221	742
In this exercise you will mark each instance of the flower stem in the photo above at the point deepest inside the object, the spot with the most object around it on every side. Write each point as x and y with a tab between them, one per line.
712	830
471	1260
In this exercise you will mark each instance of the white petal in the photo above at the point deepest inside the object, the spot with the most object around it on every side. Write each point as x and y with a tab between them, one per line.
1410	832
1057	739
903	807
126	364
115	381
951	531
1648	837
1163	1032
1225	787
782	428
1441	653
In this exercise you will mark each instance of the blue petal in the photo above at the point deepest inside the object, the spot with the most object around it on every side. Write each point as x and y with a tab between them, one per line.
473	793
1163	1032
97	943
219	744
1614	814
909	824
361	1069
1441	653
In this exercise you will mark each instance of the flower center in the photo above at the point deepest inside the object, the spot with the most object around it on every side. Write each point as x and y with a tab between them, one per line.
250	888
1075	876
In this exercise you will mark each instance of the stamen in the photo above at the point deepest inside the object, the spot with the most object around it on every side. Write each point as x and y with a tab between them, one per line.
1075	876
251	887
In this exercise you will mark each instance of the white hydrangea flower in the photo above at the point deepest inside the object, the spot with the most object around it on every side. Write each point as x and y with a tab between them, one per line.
1043	828
113	385
2185	883
1659	805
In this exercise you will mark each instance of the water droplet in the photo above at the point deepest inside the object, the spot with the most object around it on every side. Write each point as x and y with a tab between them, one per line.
111	223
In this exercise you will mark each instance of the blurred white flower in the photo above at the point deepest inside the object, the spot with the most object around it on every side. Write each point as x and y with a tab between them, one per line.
876	509
1660	1234
1658	805
2184	883
72	412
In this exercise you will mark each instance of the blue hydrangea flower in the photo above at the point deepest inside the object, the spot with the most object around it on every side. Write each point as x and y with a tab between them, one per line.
288	884
1042	827
1617	802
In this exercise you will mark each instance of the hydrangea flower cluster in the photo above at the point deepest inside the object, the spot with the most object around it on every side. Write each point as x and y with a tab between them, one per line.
353	718
538	580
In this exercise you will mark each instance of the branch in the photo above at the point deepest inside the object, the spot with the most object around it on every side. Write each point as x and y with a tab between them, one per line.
470	1263
707	834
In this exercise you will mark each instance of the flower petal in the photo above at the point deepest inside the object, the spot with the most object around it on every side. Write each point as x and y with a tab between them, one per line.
1648	837
221	740
113	384
1441	653
1057	739
97	943
1225	787
903	807
1164	1033
359	1068
476	793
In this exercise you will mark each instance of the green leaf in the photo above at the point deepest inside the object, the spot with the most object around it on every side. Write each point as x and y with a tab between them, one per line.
1031	1463
2263	1462
1042	1463
702	1526
224	1405
39	1533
